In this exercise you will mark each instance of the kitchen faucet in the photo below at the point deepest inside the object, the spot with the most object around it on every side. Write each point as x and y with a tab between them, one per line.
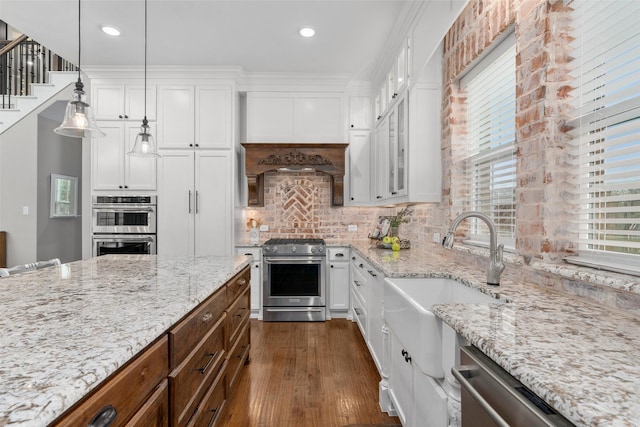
496	266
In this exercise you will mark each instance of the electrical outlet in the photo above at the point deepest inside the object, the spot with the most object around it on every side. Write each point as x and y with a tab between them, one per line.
25	210
436	238
264	227
352	227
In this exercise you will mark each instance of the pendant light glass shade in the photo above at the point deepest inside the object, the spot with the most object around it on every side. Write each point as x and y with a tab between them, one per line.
144	145
79	121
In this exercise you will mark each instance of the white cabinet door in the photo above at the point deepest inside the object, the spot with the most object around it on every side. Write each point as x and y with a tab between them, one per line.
374	308
359	112
380	160
401	381
212	207
359	174
194	203
295	117
338	285
108	157
176	117
123	101
112	168
176	204
213	117
139	173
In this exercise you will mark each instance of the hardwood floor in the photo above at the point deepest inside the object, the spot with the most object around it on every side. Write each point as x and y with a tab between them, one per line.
306	374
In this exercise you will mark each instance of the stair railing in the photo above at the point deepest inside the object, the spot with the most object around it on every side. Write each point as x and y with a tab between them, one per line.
23	62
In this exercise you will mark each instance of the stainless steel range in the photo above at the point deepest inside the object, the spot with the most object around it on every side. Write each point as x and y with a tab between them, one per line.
294	285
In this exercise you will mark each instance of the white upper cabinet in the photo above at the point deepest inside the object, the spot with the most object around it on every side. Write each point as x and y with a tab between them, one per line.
359	112
120	101
195	116
112	168
295	117
359	163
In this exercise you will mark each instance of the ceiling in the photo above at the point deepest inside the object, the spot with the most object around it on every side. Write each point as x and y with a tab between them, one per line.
257	35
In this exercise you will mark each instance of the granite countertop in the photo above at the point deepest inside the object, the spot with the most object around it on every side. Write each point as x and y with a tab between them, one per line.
580	357
65	329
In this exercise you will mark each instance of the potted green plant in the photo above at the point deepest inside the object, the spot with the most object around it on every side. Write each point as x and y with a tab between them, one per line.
399	218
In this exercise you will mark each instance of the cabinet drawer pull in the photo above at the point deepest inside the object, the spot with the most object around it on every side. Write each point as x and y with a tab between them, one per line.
213	417
372	273
206	317
104	418
211	357
340	255
242	281
357	282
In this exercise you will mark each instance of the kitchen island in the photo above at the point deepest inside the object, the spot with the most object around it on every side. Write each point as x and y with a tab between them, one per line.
580	357
66	329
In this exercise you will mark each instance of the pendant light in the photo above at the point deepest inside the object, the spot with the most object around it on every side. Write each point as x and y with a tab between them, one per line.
78	117
144	146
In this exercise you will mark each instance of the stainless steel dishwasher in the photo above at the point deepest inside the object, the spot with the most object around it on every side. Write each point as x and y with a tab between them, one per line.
492	397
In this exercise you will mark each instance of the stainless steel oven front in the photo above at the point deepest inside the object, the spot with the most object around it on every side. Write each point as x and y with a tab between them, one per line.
294	285
105	244
124	214
124	225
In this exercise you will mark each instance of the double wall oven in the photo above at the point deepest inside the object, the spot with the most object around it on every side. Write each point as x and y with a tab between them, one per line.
124	225
294	285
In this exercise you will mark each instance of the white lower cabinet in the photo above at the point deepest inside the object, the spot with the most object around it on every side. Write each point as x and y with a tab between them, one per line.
419	400
256	278
195	202
338	281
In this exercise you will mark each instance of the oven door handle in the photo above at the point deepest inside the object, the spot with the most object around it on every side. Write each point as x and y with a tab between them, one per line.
124	209
124	239
289	309
289	260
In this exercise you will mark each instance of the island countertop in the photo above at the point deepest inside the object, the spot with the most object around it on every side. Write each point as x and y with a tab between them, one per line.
580	357
65	329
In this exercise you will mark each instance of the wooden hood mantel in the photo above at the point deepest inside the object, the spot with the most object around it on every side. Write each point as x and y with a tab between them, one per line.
271	157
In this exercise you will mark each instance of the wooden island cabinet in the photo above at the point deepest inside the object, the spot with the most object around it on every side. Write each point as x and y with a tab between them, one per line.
186	376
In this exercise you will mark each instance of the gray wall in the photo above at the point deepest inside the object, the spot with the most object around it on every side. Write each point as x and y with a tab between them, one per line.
57	237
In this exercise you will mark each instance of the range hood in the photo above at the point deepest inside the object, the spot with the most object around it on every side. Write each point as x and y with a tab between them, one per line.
274	157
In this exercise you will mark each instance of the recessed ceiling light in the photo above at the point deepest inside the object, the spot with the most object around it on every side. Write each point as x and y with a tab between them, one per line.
112	31
307	32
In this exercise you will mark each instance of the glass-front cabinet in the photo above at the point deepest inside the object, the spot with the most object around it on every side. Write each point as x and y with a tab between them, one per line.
397	137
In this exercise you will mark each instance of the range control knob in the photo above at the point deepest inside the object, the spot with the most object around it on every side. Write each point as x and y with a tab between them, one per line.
313	250
266	249
294	249
321	249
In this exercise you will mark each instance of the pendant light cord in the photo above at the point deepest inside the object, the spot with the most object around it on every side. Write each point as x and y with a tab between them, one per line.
145	60
79	41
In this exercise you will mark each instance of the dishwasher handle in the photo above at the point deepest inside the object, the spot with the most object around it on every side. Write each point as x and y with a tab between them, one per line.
461	373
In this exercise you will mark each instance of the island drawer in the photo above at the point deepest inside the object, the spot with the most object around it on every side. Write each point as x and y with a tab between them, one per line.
208	413
238	355
186	334
119	394
155	411
239	313
190	379
238	284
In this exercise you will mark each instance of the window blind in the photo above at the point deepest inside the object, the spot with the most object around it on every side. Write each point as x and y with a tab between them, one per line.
490	165
606	130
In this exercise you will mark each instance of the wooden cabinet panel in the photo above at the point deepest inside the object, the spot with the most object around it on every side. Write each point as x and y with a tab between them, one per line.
239	314
237	285
238	355
186	335
190	379
213	403
127	390
155	411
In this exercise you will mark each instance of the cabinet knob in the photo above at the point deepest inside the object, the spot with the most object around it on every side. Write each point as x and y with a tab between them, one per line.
352	198
394	193
126	186
352	126
190	145
332	266
126	117
379	117
197	145
120	116
378	197
119	186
